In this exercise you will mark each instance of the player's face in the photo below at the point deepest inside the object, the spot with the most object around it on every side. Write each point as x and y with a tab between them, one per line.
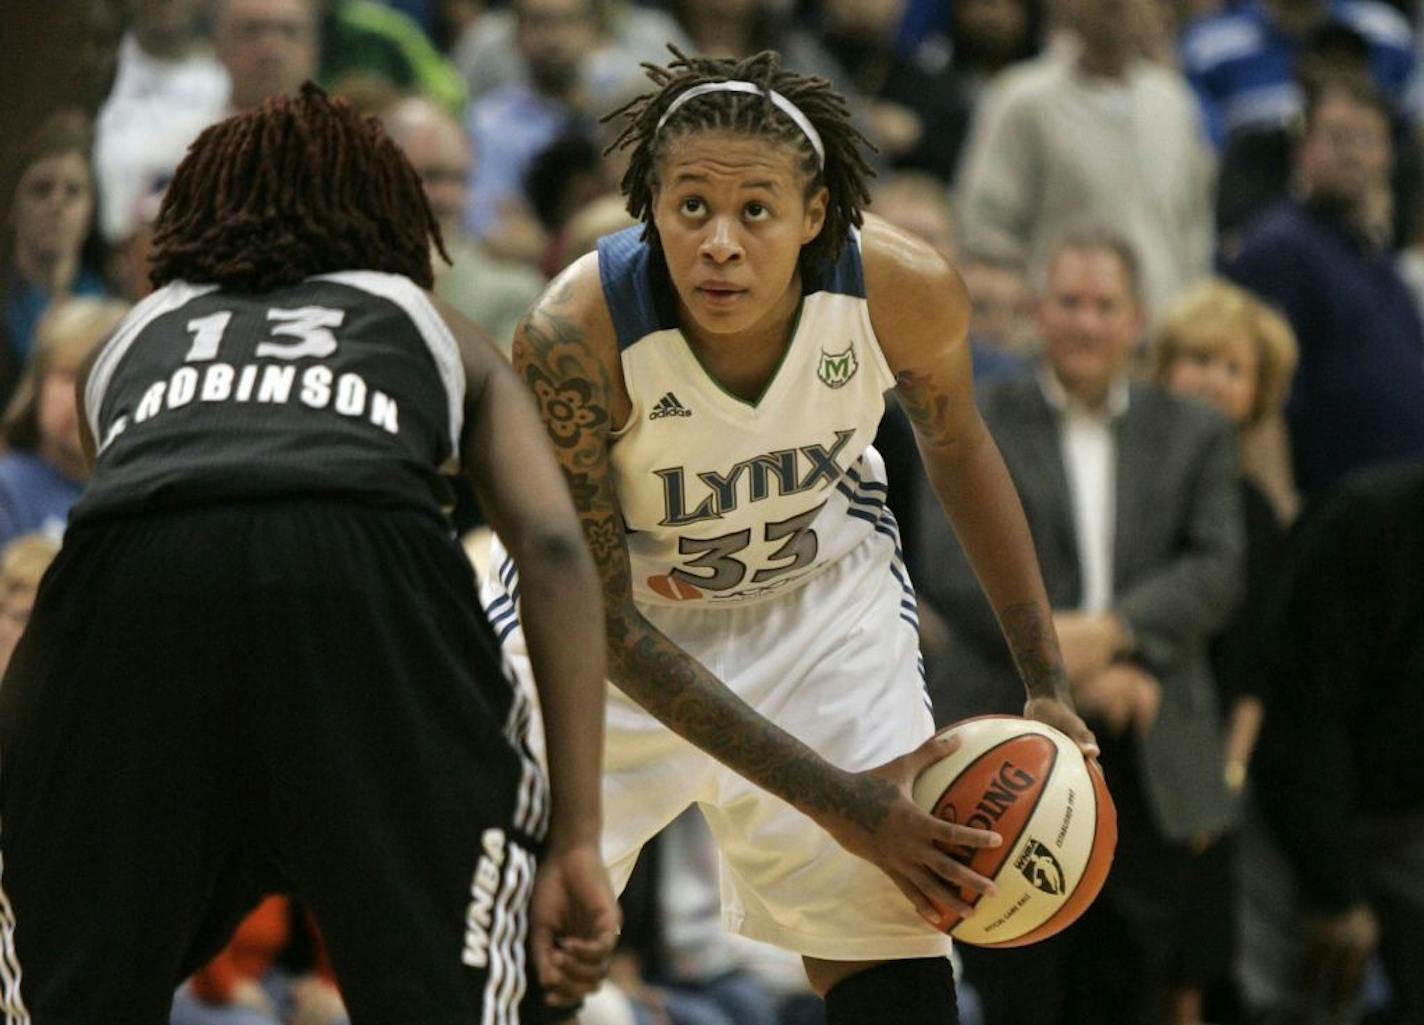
1223	375
732	214
53	205
1089	320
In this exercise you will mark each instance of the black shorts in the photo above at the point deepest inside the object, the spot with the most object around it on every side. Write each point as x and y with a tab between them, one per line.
292	697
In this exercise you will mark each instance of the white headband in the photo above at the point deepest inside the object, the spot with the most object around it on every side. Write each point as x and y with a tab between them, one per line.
782	103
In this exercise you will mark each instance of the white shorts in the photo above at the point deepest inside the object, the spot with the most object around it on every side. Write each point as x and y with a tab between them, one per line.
835	663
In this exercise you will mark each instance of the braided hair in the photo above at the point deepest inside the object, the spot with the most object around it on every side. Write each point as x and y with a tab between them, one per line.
845	171
303	185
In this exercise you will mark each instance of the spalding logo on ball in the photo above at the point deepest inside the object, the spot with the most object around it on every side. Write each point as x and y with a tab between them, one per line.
1029	783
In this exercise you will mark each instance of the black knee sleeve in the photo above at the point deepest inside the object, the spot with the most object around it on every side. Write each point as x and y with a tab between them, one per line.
913	992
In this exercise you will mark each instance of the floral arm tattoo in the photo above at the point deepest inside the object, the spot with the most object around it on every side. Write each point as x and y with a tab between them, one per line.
573	388
1027	625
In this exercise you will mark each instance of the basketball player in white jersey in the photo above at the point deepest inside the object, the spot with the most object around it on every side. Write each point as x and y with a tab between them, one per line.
712	381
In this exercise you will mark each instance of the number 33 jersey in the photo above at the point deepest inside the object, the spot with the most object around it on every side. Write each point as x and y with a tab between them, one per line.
727	500
346	386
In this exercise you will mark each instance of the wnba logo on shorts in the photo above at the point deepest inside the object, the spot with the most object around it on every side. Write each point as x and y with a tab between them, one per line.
667	586
484	888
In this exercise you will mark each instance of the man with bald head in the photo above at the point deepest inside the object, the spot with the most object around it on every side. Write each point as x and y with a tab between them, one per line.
493	293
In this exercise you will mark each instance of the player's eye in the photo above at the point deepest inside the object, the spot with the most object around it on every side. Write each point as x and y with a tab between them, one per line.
692	206
757	212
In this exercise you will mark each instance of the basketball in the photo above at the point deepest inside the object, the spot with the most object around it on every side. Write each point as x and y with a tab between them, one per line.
1029	783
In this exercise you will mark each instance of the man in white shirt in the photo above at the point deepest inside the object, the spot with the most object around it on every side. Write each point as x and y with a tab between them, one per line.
168	88
1091	133
1132	498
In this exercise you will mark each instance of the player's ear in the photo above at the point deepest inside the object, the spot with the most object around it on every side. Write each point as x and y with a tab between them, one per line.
815	218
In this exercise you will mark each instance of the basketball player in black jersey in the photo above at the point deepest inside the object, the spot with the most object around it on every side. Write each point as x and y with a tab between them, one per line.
259	663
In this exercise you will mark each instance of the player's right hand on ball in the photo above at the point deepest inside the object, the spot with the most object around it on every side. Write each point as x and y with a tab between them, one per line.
882	824
575	920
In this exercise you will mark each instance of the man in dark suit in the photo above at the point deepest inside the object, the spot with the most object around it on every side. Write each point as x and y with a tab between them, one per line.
1133	501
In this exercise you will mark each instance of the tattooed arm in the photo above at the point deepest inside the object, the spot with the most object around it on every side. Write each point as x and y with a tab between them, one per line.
922	325
566	351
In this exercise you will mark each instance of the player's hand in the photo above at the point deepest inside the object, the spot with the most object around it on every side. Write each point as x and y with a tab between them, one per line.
574	920
1338	951
883	825
1055	712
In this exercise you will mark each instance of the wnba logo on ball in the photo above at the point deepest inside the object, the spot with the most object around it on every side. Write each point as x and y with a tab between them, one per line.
1041	868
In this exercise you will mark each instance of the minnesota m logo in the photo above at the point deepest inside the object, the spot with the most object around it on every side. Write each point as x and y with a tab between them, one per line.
837	368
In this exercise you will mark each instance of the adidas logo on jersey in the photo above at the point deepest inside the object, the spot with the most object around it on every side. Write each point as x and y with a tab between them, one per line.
668	406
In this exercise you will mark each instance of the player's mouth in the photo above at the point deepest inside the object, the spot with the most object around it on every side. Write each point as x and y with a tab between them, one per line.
720	294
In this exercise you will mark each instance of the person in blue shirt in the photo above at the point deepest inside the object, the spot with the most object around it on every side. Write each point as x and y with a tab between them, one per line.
1322	258
42	470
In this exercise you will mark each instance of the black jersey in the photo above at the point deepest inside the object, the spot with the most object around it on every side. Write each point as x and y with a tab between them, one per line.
347	385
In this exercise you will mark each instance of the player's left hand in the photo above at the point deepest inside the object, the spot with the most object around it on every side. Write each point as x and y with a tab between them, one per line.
1058	713
574	919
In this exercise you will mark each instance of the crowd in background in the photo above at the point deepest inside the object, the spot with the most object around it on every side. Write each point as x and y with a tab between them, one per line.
1148	199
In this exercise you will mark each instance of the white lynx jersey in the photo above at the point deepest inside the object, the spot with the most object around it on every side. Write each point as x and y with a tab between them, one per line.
727	500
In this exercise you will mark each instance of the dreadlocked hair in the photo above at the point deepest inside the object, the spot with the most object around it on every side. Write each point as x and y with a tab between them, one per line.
301	186
845	172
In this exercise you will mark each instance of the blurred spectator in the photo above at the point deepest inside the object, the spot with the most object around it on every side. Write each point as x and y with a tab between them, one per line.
169	87
43	469
269	47
629	33
919	204
1335	867
1132	497
563	179
22	565
918	116
1001	305
129	261
492	292
1242	62
1226	348
1094	135
50	238
740	28
363	41
1256	164
60	54
515	122
986	36
601	216
1321	258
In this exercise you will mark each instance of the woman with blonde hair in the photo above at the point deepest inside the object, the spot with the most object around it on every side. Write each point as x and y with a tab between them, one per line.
22	564
42	470
1220	344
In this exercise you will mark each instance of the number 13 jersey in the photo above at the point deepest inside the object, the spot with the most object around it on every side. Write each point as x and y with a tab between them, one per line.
347	386
727	500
